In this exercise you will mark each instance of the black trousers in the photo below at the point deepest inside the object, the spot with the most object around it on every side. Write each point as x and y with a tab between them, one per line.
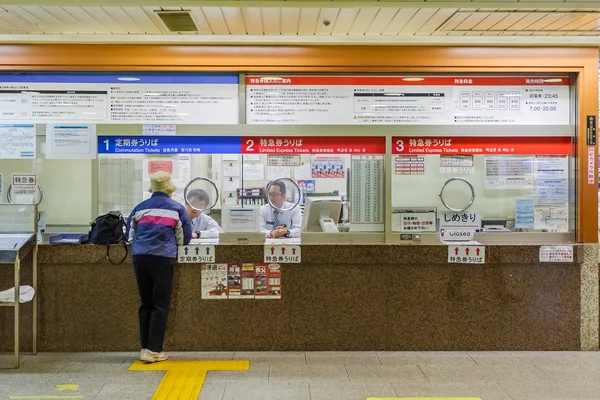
155	280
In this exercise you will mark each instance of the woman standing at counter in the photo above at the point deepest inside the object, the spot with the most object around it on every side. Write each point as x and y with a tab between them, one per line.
156	227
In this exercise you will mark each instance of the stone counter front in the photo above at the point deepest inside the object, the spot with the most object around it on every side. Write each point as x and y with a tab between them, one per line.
374	297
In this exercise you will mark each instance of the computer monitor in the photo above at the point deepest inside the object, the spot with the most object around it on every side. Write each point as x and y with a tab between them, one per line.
321	214
240	218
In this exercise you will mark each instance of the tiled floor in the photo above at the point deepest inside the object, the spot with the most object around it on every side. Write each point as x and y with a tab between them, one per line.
321	376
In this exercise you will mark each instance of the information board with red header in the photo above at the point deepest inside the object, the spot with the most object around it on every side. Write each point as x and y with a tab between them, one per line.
482	145
407	100
313	145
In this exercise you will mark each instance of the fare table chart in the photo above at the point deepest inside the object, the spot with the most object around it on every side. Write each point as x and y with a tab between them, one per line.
408	100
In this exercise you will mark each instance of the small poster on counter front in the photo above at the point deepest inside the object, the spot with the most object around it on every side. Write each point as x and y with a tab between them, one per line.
273	281
234	281
247	281
214	281
260	281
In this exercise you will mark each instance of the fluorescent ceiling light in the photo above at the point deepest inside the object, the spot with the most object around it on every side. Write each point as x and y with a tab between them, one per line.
392	94
413	79
128	79
553	80
152	94
26	92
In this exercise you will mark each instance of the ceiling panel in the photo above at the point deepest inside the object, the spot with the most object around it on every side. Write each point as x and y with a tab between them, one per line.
457	19
141	19
234	20
363	20
308	21
345	20
47	18
527	21
20	24
30	18
216	20
70	22
400	20
509	21
419	19
584	20
381	21
549	19
565	20
271	18
490	20
326	14
106	20
253	20
86	19
590	26
123	19
471	21
149	11
7	26
290	17
438	19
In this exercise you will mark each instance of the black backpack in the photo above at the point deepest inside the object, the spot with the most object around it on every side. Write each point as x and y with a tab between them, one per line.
108	229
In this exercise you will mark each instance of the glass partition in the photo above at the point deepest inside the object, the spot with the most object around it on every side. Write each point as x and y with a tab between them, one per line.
486	184
316	187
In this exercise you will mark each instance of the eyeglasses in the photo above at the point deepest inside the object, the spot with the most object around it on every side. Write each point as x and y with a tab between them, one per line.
272	195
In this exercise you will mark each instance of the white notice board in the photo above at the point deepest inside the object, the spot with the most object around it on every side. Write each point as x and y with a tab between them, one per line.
397	100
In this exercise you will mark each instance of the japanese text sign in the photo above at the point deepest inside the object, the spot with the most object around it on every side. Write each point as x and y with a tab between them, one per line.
466	254
482	145
313	145
169	145
24	180
196	254
460	220
283	253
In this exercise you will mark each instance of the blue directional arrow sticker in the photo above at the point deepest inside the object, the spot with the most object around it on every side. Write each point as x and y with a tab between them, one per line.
196	254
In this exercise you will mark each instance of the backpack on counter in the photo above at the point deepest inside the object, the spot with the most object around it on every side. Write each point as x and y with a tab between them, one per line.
109	229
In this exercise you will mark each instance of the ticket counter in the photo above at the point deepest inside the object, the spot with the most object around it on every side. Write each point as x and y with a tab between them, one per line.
435	210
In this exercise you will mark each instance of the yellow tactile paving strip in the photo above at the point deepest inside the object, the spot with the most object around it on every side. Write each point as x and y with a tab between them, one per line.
184	379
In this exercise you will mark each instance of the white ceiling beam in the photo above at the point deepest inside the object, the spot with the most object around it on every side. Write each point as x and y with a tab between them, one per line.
590	41
474	4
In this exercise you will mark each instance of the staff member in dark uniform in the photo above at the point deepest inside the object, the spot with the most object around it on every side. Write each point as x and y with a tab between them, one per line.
155	228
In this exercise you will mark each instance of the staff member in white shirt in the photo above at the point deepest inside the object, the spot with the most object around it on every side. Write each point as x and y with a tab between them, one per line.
203	226
276	223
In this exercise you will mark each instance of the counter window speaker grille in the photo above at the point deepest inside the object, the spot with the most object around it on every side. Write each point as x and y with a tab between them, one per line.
178	21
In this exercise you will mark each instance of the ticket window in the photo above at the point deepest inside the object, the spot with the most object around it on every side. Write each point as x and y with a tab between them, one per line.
333	192
490	185
347	188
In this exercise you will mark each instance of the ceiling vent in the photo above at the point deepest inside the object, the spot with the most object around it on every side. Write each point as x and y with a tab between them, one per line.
178	21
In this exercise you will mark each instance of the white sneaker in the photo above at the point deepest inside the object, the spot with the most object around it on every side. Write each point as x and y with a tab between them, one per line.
151	356
143	354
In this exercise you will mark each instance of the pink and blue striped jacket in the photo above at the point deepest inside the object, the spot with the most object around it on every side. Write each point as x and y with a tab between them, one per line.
157	226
